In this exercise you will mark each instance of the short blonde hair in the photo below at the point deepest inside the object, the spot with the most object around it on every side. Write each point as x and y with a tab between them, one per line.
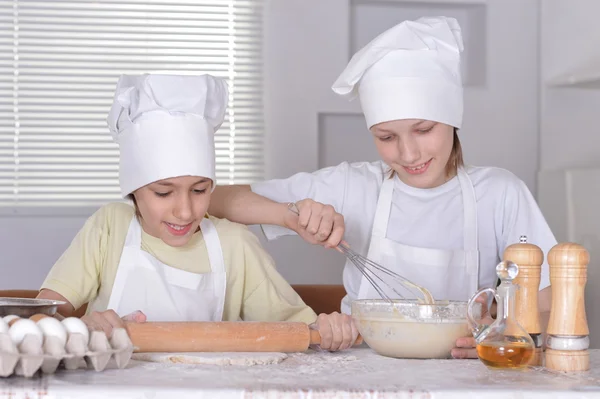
456	156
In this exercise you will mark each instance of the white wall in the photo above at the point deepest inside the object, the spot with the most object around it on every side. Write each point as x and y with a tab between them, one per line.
569	180
29	245
308	43
569	115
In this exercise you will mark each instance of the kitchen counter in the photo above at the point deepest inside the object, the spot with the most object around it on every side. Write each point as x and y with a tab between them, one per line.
356	373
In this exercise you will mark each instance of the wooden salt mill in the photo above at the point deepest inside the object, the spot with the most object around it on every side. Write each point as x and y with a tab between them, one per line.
529	259
568	334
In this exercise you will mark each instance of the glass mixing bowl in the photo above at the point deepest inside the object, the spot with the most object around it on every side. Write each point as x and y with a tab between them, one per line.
408	329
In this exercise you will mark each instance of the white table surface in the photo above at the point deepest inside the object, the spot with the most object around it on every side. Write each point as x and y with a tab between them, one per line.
357	373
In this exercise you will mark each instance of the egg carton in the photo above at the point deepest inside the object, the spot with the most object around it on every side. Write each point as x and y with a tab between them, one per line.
34	354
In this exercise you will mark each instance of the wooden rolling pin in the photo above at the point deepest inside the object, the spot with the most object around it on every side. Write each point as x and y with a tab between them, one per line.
223	336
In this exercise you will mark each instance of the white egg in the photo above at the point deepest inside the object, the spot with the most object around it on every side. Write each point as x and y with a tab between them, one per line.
7	319
75	325
53	328
3	326
23	327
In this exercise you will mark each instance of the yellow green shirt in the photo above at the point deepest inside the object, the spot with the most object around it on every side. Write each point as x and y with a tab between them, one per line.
86	271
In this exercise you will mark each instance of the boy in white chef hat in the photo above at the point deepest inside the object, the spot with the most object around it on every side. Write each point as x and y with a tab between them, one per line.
165	259
419	211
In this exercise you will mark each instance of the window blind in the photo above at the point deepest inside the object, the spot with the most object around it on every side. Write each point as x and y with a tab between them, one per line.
59	65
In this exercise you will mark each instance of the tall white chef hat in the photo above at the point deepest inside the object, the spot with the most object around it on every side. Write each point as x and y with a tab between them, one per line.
411	71
165	126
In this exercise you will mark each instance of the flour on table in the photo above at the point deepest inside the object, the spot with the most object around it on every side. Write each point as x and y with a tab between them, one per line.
214	358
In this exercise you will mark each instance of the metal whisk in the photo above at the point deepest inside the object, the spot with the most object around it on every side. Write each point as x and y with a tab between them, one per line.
372	272
369	269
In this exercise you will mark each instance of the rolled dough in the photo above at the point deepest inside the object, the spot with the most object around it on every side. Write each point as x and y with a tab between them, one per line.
214	358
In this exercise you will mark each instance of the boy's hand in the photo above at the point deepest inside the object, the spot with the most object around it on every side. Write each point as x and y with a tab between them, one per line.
338	331
108	320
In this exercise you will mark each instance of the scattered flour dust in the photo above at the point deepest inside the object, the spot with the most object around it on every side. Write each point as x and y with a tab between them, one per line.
213	358
323	357
317	362
309	362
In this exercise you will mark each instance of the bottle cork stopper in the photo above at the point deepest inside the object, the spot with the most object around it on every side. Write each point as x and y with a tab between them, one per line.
529	259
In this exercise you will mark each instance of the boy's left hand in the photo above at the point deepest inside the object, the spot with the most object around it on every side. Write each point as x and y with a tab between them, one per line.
337	331
466	346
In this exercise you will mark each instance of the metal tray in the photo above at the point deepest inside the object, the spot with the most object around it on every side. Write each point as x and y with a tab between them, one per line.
27	307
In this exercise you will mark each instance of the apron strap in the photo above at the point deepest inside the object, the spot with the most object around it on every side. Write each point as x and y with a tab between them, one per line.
134	234
133	239
470	211
384	206
217	263
470	233
379	231
213	246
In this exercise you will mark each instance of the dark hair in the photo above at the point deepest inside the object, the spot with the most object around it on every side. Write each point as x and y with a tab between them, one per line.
456	157
131	197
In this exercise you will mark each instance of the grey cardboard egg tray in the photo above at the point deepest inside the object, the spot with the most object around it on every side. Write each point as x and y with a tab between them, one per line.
34	354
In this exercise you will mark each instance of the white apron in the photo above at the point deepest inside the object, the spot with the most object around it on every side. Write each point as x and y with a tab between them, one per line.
447	274
164	293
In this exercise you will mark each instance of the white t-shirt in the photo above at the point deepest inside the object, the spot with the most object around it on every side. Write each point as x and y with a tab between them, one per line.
430	218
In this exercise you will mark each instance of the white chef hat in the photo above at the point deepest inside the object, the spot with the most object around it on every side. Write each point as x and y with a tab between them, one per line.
411	71
165	126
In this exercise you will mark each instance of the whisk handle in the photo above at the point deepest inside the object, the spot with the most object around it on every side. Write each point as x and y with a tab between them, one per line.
293	208
343	248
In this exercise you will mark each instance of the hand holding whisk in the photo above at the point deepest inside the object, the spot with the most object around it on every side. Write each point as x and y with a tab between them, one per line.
377	274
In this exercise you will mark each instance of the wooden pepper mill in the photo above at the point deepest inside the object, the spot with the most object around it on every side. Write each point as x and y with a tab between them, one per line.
529	259
568	334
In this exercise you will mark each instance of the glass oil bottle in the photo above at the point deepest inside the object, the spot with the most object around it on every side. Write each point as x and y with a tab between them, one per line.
504	344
